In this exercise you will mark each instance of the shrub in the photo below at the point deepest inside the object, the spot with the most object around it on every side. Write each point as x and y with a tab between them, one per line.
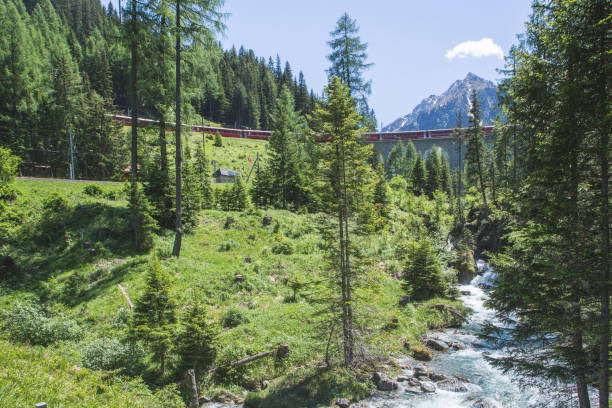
227	246
55	204
8	165
111	354
111	195
218	140
93	190
423	278
283	247
27	323
233	317
7	192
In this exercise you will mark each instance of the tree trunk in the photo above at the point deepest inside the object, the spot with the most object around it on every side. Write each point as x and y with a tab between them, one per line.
176	250
195	395
134	95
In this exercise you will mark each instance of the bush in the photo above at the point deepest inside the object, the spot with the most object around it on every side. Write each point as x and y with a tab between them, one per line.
218	140
27	323
227	246
93	190
55	204
234	317
283	247
423	278
111	354
7	192
8	165
111	195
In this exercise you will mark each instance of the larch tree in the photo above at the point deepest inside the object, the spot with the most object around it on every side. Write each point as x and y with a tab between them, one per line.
196	22
475	148
344	171
348	62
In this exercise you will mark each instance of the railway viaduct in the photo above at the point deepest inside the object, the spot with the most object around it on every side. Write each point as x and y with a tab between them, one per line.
449	147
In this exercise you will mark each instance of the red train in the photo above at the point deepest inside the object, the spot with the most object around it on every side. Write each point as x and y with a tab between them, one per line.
417	134
265	134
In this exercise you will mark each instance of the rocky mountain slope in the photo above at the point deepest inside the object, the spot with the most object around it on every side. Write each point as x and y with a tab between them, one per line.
440	112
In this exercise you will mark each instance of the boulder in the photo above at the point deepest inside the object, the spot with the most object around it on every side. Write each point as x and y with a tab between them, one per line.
421	371
452	384
462	378
383	383
267	220
482	403
414	390
404	300
343	402
422	354
435	377
455	345
437	345
413	382
282	351
428	386
402	378
264	384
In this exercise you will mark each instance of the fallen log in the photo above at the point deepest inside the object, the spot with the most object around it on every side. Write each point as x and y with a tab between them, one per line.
126	296
249	359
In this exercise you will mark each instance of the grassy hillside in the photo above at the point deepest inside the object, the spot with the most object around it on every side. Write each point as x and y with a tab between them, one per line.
71	260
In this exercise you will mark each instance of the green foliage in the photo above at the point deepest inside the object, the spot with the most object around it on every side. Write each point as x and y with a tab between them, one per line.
154	318
192	193
93	190
283	247
419	176
8	166
234	198
233	317
197	338
218	141
348	62
202	172
27	323
111	354
423	278
434	172
142	223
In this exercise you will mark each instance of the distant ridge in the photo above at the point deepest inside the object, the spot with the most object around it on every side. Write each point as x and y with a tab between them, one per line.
440	112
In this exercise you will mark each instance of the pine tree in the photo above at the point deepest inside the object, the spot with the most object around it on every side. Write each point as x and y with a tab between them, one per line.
423	278
192	193
196	341
434	175
395	160
419	176
446	184
154	318
142	222
286	180
345	173
202	172
410	156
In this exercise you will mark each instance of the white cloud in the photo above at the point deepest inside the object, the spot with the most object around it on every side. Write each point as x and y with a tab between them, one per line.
475	49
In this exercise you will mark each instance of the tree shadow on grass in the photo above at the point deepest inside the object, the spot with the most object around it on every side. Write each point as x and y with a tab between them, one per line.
313	388
61	242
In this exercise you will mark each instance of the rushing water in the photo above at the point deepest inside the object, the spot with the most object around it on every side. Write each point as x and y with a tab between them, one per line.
487	383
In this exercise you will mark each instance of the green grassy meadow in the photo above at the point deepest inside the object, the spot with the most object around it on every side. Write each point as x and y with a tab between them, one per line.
56	266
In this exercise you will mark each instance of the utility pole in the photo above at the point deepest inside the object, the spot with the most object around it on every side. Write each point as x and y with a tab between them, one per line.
71	154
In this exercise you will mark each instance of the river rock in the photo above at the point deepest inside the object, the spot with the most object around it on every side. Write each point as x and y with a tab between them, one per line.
421	371
462	378
452	384
455	345
343	402
482	403
422	354
437	345
413	382
402	378
428	386
414	390
383	383
435	377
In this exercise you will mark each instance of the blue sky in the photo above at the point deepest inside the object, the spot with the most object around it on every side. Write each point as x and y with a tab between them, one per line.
408	41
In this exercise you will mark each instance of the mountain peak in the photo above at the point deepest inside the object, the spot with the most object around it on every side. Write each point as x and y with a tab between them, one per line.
440	112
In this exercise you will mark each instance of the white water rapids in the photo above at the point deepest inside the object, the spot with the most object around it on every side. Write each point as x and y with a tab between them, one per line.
489	387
